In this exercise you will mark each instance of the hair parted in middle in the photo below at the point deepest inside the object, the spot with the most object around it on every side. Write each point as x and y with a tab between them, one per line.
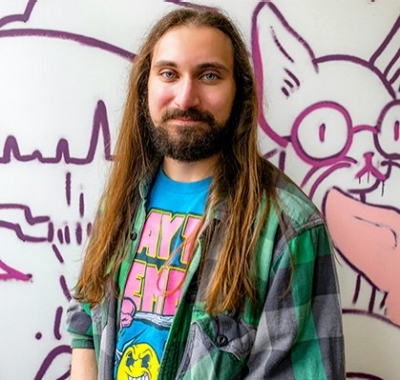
241	178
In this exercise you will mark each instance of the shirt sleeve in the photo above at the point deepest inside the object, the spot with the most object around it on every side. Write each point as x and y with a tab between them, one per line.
300	331
79	324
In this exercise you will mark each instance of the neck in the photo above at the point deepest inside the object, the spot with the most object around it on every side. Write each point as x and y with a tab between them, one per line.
189	171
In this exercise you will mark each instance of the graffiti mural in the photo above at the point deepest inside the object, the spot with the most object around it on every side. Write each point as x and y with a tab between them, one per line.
330	119
341	143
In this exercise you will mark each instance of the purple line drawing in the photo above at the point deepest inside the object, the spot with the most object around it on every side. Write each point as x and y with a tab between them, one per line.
334	125
11	148
79	38
369	172
8	273
24	17
43	230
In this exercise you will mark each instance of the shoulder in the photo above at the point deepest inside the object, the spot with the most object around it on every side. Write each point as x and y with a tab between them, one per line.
292	206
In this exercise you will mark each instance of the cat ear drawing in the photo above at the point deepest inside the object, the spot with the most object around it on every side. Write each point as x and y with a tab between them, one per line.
387	58
282	59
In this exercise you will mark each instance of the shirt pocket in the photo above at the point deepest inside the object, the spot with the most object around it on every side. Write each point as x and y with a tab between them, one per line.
217	348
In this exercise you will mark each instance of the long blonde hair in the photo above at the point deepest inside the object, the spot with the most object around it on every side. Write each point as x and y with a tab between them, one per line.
241	178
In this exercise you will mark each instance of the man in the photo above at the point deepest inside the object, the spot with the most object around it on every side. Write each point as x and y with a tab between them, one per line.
205	262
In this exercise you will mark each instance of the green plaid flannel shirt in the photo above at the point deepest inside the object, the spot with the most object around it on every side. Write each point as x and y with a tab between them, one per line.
297	334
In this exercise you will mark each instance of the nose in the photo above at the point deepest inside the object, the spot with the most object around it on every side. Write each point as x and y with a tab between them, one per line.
186	95
369	168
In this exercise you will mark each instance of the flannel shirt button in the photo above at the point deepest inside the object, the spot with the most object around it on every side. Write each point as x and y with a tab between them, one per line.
133	235
221	340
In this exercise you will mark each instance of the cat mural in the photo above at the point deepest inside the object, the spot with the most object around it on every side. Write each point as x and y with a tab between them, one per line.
332	123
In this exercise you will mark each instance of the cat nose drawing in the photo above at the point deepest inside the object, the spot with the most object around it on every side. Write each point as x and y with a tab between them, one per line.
369	169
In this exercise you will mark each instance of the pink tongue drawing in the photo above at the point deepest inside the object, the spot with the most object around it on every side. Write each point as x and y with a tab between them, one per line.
368	238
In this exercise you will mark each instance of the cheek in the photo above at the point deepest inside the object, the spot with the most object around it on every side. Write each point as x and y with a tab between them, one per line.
221	105
157	101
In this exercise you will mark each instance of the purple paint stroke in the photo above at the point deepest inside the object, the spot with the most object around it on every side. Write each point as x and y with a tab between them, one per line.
290	84
78	233
64	287
81	204
391	156
60	236
24	17
383	302
390	66
301	152
67	235
50	234
282	160
57	323
279	46
53	354
57	253
362	375
371	303
188	5
258	68
68	188
396	75
89	228
12	274
369	169
258	65
30	219
361	62
20	234
270	154
100	124
386	42
81	39
361	193
364	127
325	175
285	92
296	80
371	315
312	171
321	132
286	25
357	289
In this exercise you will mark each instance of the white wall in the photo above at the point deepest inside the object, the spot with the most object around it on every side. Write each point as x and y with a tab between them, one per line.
328	74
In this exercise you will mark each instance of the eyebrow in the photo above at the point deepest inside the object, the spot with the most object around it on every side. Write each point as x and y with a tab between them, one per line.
203	66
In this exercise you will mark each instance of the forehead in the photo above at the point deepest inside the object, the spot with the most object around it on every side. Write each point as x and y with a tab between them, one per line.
194	45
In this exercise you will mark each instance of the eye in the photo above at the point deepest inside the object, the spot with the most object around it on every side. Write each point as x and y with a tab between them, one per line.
146	361
322	133
388	137
210	77
168	75
129	360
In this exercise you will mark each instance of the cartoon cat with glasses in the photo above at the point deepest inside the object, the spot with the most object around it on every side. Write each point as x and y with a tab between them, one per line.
334	126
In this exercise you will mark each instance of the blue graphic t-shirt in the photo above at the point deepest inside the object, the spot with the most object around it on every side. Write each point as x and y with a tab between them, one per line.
153	291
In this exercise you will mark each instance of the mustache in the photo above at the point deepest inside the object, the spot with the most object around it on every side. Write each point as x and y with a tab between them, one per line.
189	114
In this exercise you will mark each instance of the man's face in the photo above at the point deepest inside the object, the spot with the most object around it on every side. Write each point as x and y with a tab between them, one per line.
191	90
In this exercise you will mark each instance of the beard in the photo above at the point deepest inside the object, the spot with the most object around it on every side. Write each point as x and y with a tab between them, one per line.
188	143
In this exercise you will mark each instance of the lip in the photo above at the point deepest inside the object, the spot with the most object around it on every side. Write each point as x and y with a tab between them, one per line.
185	122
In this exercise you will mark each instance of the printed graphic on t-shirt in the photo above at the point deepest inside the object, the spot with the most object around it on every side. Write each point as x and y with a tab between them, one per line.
152	293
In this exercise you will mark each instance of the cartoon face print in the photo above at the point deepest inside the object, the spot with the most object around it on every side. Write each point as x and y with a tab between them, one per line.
138	362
